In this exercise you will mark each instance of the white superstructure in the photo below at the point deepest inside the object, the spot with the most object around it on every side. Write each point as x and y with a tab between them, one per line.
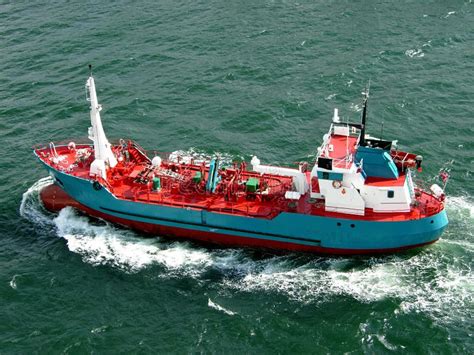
353	172
104	157
351	176
299	178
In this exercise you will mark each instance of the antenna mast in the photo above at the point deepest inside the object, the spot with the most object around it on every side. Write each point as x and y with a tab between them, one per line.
364	114
104	157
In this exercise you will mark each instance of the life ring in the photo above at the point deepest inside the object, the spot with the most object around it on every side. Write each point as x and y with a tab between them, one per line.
336	184
96	185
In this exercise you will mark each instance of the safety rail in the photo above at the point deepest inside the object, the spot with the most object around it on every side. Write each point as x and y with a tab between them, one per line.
63	143
323	149
347	162
144	194
83	142
140	150
52	149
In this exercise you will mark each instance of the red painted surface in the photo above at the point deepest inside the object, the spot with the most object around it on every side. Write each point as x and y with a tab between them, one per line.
403	159
131	180
54	199
342	146
315	184
381	182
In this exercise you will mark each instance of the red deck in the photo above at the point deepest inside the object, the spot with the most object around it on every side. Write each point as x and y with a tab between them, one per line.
340	149
131	180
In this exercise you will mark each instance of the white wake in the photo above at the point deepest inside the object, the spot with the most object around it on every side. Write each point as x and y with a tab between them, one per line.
439	280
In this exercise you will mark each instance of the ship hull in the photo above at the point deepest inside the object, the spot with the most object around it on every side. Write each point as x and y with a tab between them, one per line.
287	231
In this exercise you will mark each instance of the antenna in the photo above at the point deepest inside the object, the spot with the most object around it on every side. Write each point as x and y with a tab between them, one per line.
364	114
347	142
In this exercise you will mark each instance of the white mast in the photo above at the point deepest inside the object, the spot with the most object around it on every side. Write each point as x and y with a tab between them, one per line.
104	157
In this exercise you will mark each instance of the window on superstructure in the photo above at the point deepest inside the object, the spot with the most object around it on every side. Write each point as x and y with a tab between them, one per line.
390	193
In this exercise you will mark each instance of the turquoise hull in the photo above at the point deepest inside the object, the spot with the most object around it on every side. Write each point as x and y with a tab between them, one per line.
312	233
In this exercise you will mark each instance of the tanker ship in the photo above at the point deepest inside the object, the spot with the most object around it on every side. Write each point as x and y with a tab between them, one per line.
357	197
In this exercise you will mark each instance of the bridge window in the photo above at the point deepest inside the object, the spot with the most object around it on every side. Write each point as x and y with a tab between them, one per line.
390	193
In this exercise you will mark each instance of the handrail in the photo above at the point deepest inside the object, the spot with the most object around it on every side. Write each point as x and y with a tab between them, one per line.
140	149
52	149
403	161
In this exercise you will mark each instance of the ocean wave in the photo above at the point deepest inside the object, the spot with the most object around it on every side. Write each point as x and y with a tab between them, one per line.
100	243
13	283
462	205
415	53
437	281
220	308
105	244
426	282
31	207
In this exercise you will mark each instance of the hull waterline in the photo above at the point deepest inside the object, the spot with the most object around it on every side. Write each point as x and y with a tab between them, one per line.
54	198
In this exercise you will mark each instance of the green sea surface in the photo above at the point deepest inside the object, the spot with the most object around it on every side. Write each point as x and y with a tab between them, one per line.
233	78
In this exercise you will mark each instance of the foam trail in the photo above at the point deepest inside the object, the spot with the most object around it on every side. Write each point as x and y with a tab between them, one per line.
100	243
31	207
104	244
460	211
462	205
430	282
12	283
414	53
467	246
220	308
436	281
